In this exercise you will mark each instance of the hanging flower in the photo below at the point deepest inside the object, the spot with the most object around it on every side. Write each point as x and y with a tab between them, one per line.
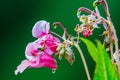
39	53
37	56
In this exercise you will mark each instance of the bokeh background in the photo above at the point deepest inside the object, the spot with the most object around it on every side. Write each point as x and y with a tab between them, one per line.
17	17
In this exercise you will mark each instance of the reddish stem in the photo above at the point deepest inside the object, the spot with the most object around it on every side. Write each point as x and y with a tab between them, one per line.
86	10
58	23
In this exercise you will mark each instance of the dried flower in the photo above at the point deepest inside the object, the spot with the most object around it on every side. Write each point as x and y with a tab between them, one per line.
65	49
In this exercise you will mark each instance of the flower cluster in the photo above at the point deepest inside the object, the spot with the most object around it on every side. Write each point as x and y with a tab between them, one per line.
89	23
39	53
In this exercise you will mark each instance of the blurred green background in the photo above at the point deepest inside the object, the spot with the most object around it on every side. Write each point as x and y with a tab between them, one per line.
17	17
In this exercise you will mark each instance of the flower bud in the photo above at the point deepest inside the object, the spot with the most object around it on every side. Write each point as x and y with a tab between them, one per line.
95	3
54	26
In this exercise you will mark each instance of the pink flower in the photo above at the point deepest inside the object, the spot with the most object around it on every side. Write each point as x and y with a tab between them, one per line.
40	29
36	58
87	32
39	53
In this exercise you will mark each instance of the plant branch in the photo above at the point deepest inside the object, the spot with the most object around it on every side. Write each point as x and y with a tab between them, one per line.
56	35
112	29
105	6
58	23
110	44
116	47
86	10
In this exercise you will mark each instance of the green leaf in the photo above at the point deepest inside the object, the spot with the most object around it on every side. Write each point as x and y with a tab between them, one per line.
91	49
105	70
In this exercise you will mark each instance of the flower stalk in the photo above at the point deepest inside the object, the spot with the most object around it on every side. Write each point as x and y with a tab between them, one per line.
83	60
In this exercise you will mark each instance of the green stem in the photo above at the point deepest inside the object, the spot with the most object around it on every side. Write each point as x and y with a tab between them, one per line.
83	60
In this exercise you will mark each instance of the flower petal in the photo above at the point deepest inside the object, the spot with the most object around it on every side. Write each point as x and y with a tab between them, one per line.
24	64
40	28
87	33
51	42
31	50
46	60
64	36
47	27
